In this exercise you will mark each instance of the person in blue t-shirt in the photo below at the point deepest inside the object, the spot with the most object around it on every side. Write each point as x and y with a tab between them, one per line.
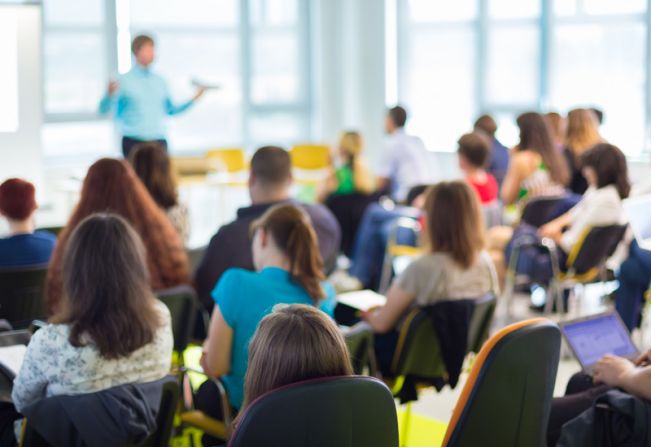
288	271
23	247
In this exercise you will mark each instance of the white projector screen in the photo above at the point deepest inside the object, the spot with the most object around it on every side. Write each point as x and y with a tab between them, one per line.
9	72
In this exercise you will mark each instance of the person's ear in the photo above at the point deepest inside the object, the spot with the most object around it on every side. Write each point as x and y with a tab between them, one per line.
252	179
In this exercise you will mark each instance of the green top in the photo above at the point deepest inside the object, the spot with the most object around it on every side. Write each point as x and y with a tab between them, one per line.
345	180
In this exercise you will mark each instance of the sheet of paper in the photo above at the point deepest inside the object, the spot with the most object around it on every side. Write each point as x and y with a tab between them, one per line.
362	299
12	357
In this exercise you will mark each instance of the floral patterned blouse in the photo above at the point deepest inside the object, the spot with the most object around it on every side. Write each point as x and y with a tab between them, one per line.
52	366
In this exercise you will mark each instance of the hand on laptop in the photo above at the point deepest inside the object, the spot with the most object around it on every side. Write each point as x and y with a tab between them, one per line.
612	370
644	359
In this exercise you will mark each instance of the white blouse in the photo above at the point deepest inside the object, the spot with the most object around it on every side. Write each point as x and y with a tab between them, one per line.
52	366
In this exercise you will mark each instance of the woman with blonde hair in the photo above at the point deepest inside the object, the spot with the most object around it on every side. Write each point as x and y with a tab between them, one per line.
582	134
454	267
349	173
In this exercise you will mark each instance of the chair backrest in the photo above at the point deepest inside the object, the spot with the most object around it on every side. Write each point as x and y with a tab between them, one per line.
596	245
336	411
418	352
359	340
507	397
22	294
227	159
165	418
538	210
182	303
310	156
195	255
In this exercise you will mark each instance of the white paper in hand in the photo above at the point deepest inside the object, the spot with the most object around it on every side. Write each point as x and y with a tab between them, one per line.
363	300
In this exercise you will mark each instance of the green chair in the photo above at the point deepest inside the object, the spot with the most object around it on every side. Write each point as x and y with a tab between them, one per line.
22	291
182	303
359	340
418	358
507	397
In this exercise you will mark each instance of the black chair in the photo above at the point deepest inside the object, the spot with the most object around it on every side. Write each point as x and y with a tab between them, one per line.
159	437
507	397
359	340
183	305
22	291
348	411
538	211
349	209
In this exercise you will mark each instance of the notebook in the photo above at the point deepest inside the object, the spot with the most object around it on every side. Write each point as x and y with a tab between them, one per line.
592	337
363	300
638	210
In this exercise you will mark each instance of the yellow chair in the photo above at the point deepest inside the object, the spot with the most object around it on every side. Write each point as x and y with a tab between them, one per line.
190	169
229	160
310	157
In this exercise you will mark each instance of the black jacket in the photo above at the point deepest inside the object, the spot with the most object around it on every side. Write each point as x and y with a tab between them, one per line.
113	417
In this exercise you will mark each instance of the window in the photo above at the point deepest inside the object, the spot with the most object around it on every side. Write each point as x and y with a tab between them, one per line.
254	50
508	56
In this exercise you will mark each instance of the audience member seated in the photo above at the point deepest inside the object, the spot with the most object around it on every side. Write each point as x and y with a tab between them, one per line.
349	172
604	167
405	161
371	240
582	134
536	169
634	278
269	184
111	330
611	372
292	344
473	152
499	155
558	127
289	270
112	186
23	246
152	165
456	266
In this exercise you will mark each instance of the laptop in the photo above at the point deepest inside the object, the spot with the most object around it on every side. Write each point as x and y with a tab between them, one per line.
594	336
638	210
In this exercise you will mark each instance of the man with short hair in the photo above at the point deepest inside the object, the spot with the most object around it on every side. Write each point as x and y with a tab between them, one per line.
269	183
405	162
141	99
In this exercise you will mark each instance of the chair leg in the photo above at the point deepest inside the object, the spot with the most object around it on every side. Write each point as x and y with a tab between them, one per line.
406	419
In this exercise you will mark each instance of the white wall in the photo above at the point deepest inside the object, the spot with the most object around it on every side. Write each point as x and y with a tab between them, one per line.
20	151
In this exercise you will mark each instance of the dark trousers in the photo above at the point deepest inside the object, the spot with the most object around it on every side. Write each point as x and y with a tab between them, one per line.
208	400
634	278
580	394
128	143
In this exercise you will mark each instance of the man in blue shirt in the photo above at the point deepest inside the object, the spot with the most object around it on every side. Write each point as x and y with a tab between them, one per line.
499	158
141	99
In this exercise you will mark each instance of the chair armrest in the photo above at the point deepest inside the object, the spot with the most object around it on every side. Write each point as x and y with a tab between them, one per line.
224	401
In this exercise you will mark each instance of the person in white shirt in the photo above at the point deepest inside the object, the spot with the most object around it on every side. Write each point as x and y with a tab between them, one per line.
605	169
405	161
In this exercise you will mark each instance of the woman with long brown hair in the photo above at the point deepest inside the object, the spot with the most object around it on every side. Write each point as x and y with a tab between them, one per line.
582	134
110	330
454	267
152	165
112	186
288	271
294	343
536	167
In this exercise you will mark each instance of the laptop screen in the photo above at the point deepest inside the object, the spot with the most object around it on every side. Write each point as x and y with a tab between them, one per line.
592	338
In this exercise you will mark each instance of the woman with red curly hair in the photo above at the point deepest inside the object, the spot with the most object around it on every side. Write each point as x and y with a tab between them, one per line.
23	246
112	186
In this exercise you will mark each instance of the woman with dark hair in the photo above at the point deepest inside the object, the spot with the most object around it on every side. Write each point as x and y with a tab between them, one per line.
536	168
112	186
605	169
455	266
294	343
152	165
288	271
110	329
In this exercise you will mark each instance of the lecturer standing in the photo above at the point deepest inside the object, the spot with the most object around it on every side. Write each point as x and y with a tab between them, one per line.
141	99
